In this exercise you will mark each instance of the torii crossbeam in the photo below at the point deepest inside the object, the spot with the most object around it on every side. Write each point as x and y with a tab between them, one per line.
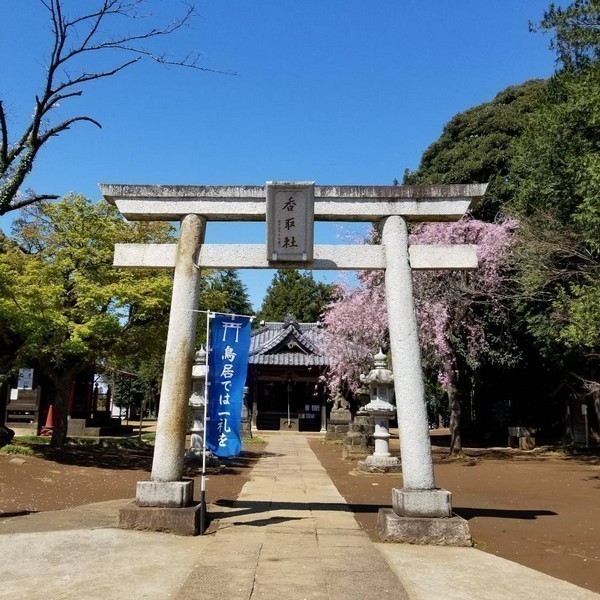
419	505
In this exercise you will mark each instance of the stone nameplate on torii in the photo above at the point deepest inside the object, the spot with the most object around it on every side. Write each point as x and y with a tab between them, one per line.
290	219
392	207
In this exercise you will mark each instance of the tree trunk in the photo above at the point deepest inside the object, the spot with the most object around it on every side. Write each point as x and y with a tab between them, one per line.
62	383
454	406
595	402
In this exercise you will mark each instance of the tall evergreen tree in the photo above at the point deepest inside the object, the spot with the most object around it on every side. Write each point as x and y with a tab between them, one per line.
296	293
476	146
576	30
538	146
236	293
557	180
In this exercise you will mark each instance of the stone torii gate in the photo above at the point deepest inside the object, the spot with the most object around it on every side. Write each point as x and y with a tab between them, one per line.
421	512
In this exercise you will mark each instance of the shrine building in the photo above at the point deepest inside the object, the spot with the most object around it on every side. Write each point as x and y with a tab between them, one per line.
286	362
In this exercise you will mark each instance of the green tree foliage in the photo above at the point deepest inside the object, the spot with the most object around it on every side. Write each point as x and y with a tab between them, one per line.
64	306
557	177
236	294
557	174
148	339
477	146
539	146
132	391
576	31
296	293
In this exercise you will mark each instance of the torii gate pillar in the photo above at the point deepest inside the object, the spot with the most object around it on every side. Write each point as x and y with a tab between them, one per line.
417	467
421	512
166	487
165	502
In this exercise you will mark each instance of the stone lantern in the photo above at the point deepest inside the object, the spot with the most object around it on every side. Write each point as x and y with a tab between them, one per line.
363	395
359	440
381	385
197	404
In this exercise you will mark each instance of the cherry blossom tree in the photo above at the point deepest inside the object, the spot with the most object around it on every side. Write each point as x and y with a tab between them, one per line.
355	326
460	313
457	313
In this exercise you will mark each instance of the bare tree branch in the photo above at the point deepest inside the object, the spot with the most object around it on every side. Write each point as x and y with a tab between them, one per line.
3	139
73	38
66	125
27	200
52	102
85	77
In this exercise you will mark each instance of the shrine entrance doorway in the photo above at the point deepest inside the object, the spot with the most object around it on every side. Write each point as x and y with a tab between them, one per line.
304	399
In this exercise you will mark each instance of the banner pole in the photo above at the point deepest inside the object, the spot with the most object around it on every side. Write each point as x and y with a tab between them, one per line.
203	477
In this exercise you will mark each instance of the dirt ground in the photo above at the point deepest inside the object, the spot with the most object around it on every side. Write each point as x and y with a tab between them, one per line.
539	509
77	475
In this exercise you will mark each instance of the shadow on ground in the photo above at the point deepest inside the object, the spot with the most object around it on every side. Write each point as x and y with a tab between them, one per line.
239	508
236	465
245	508
20	513
111	457
136	458
497	513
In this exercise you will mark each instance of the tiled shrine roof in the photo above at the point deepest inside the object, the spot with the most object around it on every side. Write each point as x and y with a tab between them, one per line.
288	344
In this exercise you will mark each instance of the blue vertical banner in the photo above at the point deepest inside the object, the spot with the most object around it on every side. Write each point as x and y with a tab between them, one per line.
227	369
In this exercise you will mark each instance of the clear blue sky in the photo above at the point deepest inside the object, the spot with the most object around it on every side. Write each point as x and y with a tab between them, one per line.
334	91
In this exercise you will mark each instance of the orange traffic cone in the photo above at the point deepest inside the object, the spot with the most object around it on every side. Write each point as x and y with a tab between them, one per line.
49	426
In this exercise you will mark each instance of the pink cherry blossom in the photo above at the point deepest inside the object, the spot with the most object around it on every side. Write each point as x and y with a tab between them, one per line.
355	325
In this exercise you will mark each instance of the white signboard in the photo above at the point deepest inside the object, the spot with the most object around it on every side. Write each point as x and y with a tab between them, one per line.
290	220
25	379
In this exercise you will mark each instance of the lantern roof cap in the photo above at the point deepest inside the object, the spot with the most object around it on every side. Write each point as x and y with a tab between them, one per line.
200	356
380	360
380	375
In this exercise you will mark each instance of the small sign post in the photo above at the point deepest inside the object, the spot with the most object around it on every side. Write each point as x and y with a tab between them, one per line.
584	412
290	218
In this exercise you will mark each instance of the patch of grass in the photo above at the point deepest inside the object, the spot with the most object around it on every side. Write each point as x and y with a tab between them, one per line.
333	442
253	440
117	443
572	450
32	439
148	437
480	544
132	442
81	441
16	449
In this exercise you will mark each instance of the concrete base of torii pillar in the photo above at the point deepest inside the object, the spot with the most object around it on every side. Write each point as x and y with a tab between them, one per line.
422	513
422	517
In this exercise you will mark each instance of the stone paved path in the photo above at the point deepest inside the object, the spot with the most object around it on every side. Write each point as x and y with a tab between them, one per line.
290	535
